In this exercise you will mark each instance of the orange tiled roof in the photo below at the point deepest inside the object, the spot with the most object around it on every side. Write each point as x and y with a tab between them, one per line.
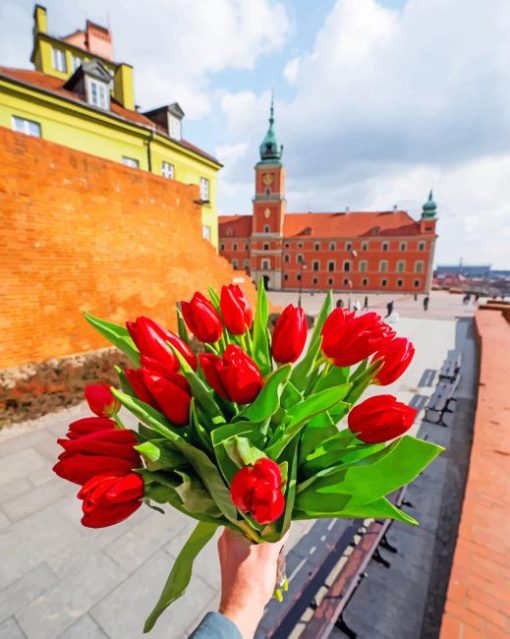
55	85
352	224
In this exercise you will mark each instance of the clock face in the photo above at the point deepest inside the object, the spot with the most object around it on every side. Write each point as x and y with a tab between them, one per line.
268	179
267	213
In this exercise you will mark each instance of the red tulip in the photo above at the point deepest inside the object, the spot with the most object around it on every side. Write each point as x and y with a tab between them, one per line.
235	309
289	335
395	357
202	319
99	452
234	376
101	401
257	490
88	425
347	339
171	394
110	498
151	339
380	418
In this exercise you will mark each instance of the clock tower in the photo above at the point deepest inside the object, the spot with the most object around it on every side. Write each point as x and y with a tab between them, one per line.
269	207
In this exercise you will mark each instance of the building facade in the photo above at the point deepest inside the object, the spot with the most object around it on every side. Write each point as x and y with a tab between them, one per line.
383	251
79	97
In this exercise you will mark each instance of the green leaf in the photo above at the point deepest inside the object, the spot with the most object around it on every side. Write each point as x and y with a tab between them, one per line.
124	382
318	429
336	376
260	341
333	452
181	327
118	335
199	461
159	456
215	299
310	406
291	396
180	574
241	451
267	401
370	478
202	436
194	496
220	435
302	371
379	509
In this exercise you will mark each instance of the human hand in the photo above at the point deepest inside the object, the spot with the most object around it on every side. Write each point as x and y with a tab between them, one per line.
248	576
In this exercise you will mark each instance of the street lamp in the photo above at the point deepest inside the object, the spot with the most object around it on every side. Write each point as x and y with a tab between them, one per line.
302	266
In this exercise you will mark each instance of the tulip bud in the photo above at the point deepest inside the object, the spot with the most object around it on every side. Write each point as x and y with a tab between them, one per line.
347	339
110	498
99	452
150	339
380	418
234	376
289	335
88	425
202	319
171	394
256	490
235	309
394	357
101	400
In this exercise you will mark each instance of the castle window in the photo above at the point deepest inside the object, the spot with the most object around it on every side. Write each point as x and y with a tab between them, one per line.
300	245
234	246
59	60
364	246
235	264
403	246
131	162
300	259
401	266
286	276
416	283
246	265
265	246
266	264
246	246
286	245
421	246
21	125
174	127
383	266
400	283
298	277
385	246
384	282
348	246
362	266
268	192
266	228
331	281
97	93
286	258
315	280
332	246
77	62
418	266
364	281
204	189
317	246
331	266
316	265
346	281
347	266
230	231
167	170
222	247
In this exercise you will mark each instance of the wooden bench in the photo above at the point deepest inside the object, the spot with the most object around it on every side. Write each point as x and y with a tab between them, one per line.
451	367
441	400
351	548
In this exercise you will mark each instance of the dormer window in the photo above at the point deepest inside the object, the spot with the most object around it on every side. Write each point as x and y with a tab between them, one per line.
59	60
174	127
97	93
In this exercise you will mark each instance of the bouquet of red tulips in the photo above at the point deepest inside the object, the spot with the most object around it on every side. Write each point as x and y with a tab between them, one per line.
245	433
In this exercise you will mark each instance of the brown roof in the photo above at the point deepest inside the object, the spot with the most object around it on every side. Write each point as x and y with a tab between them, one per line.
352	224
55	85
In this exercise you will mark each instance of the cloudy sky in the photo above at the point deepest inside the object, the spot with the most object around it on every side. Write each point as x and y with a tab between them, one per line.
377	101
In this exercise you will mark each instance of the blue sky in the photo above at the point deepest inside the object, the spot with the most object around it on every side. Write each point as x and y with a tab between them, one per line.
377	101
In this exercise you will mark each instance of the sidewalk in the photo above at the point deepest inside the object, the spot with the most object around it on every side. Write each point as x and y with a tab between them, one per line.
58	579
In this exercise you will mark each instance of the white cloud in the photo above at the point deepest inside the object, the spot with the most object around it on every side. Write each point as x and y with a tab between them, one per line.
291	70
387	104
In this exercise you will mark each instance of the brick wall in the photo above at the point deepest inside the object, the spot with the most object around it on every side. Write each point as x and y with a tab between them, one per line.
82	233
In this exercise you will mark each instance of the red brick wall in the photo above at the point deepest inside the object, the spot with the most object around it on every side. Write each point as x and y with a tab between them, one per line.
81	233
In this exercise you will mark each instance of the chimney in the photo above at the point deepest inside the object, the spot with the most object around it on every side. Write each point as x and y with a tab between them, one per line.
99	40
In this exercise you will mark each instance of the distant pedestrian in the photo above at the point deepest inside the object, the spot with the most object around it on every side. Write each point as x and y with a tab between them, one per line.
426	303
357	305
416	297
340	303
365	303
477	297
389	308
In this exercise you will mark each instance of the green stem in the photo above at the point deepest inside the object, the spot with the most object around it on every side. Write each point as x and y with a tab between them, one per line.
118	421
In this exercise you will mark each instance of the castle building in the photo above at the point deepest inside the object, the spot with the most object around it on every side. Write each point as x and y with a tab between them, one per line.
78	96
381	251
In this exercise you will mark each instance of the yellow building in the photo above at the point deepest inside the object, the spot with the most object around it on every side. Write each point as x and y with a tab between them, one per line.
78	96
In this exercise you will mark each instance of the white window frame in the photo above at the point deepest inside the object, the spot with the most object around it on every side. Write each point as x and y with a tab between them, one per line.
167	170
385	246
364	246
98	93
383	266
28	127
174	127
204	189
331	266
235	264
316	266
76	62
418	266
347	263
317	246
384	281
421	246
332	246
58	57
348	246
401	266
403	246
364	281
246	264
206	232
131	162
266	264
363	266
266	228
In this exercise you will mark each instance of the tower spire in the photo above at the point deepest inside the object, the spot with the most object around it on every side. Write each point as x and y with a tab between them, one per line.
270	150
429	209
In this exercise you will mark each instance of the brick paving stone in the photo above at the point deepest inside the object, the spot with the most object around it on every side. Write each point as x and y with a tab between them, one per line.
4	520
84	628
17	465
22	442
60	606
122	612
9	629
43	475
22	592
13	489
35	499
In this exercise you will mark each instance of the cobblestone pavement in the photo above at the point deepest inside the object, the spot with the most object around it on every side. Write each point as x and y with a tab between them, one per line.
60	580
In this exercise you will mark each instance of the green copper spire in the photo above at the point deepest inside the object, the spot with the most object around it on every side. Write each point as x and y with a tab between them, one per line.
429	209
270	151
